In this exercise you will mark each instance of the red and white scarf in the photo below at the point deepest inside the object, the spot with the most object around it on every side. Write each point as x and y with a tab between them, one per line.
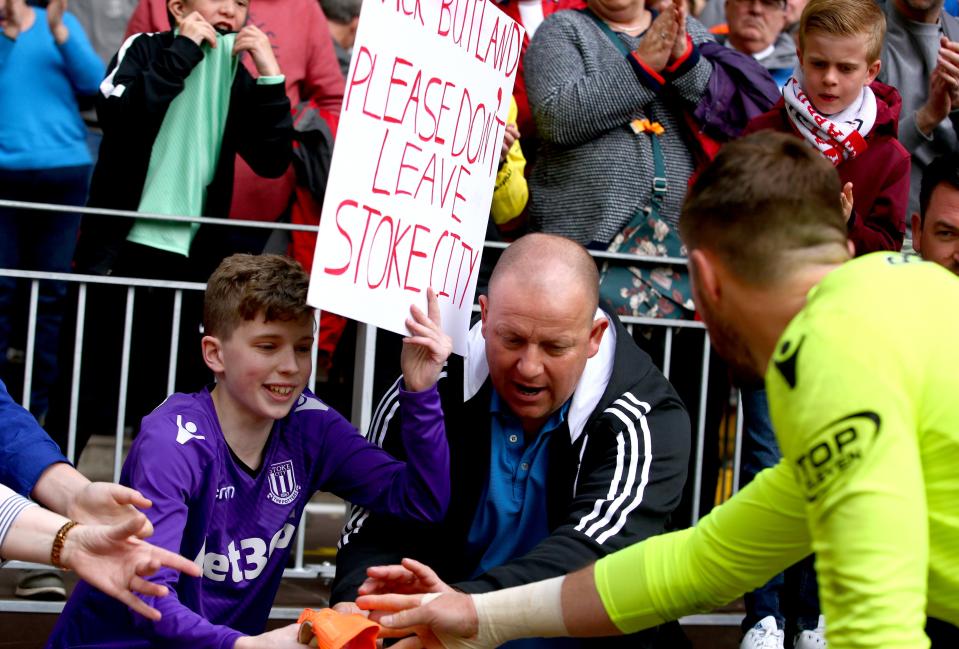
841	136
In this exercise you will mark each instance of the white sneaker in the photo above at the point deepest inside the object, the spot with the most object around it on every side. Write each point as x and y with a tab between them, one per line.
765	635
814	639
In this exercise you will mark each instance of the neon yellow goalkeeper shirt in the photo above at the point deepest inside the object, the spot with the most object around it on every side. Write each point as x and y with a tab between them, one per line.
868	423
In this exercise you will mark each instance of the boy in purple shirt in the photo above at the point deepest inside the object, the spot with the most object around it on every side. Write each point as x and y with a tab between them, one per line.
229	470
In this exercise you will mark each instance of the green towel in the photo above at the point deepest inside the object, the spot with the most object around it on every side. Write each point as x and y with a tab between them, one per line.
186	151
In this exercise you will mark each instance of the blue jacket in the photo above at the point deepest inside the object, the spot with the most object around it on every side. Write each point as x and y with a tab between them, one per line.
40	123
25	449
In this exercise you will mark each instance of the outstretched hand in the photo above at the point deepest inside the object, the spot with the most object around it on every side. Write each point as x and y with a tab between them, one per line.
427	347
439	621
410	577
115	559
107	503
285	637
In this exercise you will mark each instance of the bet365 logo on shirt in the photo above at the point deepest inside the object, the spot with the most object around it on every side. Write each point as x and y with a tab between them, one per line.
244	559
835	449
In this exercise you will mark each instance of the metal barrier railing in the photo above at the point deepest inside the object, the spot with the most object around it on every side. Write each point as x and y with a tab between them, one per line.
364	357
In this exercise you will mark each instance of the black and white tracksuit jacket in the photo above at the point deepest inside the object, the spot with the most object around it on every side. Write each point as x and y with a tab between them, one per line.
616	472
143	79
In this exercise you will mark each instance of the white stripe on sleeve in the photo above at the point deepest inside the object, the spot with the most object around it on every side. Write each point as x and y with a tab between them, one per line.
11	504
624	495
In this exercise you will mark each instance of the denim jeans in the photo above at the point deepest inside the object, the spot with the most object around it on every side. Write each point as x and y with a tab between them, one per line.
42	241
791	597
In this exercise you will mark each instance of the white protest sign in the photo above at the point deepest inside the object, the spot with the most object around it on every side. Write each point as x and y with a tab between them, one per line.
415	161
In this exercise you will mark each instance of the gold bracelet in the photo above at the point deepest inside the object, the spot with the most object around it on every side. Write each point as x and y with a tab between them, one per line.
57	547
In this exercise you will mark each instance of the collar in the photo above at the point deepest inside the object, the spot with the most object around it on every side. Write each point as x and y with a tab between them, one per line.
500	407
589	390
766	53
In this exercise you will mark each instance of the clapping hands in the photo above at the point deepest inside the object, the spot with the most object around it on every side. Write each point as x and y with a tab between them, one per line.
9	19
665	40
943	88
55	11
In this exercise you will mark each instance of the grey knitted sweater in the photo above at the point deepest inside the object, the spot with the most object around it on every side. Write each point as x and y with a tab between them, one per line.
593	172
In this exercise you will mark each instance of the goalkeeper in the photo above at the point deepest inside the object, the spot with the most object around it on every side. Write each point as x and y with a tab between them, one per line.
868	428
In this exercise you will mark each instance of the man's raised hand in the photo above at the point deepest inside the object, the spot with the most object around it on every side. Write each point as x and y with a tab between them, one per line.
427	347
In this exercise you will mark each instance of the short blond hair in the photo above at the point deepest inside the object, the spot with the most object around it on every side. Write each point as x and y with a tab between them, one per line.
845	18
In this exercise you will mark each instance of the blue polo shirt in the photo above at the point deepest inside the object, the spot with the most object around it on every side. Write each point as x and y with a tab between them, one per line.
511	518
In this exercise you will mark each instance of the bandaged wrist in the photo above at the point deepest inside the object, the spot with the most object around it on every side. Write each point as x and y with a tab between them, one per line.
531	611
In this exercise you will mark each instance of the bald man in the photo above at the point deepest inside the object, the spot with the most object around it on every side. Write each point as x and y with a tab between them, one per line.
566	443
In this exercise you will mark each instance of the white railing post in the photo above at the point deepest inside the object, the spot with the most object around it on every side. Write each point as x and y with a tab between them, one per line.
31	343
75	378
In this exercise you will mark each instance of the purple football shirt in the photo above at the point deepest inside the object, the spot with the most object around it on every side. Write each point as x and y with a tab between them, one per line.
240	528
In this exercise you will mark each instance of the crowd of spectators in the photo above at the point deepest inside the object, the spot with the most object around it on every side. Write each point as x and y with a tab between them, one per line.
617	106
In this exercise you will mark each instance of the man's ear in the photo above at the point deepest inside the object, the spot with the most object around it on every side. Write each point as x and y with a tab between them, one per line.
596	335
916	231
484	310
212	349
705	278
873	71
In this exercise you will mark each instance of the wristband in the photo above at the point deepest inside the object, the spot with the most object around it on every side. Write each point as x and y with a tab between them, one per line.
58	541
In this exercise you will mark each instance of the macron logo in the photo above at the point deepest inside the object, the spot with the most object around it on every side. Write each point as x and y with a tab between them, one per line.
186	432
309	403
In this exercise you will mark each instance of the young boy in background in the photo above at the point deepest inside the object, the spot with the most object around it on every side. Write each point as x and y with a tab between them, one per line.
175	108
853	120
836	105
229	469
